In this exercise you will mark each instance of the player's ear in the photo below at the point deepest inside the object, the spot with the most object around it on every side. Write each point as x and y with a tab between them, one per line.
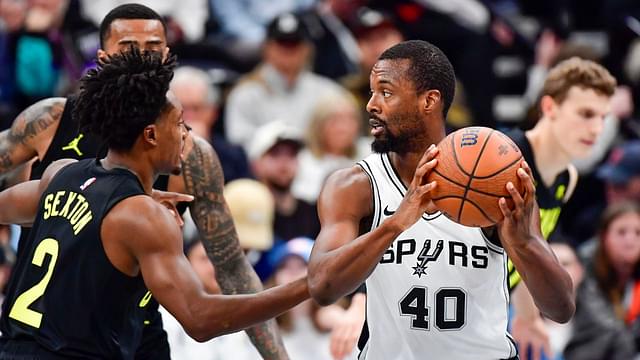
150	134
101	54
548	106
432	101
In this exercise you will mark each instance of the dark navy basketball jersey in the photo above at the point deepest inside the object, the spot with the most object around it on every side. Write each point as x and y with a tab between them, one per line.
550	199
67	143
64	292
70	143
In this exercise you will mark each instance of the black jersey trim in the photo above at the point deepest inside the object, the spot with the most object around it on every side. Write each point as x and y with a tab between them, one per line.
402	189
490	244
513	349
392	174
377	202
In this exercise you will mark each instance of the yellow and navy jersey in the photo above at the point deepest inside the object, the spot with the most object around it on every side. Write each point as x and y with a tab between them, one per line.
64	292
68	143
550	198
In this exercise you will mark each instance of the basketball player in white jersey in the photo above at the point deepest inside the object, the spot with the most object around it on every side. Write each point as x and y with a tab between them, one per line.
435	289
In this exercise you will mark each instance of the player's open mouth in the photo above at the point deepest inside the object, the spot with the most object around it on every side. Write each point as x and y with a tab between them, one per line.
377	127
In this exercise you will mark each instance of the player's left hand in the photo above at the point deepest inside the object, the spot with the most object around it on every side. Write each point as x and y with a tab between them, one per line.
170	200
346	331
523	221
532	337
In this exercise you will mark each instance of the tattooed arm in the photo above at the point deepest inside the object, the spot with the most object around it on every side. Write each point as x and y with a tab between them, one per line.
30	134
204	179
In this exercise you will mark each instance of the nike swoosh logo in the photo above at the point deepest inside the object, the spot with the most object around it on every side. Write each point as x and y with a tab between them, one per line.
388	212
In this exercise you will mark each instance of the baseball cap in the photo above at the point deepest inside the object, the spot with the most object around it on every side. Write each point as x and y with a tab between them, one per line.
270	134
286	27
623	163
300	247
252	209
366	19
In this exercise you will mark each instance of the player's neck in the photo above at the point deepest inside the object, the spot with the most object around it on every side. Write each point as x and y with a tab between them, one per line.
122	160
549	158
405	164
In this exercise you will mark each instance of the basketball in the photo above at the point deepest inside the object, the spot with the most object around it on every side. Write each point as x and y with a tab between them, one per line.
474	166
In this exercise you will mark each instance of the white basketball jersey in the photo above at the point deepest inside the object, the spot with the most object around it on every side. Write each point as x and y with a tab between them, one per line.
440	291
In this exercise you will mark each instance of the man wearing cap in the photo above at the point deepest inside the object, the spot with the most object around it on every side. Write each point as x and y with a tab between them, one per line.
616	180
273	155
280	87
374	32
200	100
621	173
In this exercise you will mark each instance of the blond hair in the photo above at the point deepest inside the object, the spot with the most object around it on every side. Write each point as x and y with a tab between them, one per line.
322	112
579	72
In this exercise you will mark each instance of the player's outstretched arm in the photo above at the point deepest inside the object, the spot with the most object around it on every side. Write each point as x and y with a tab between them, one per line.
341	260
548	282
158	253
19	203
30	134
203	178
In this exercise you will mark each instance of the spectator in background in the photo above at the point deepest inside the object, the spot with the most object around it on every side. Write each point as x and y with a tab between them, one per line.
280	87
12	14
273	155
619	180
374	32
243	23
608	301
183	347
333	142
305	328
185	18
560	334
200	100
463	29
252	208
337	53
52	50
622	173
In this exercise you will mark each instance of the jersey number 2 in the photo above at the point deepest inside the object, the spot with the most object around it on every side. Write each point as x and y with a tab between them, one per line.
450	308
20	310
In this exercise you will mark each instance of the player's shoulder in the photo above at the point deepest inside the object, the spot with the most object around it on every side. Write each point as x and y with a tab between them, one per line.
350	187
140	213
349	179
39	116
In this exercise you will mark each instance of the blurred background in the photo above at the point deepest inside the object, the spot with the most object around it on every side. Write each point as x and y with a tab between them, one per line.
279	88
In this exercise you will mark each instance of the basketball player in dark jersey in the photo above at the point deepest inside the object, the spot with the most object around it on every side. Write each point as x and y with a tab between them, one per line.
47	132
574	102
99	241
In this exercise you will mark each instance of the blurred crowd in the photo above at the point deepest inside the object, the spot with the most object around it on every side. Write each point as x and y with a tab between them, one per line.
279	87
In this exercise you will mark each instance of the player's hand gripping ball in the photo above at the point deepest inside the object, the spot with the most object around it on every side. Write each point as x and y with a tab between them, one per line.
474	166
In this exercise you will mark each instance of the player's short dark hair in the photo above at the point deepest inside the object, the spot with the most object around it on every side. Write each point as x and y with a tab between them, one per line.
128	12
430	68
123	95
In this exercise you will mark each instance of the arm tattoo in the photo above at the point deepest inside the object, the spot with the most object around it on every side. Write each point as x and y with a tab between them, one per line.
15	147
204	180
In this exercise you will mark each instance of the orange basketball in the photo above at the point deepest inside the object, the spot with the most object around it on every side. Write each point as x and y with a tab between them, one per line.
474	166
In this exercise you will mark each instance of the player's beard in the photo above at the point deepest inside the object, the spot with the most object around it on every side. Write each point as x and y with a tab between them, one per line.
407	139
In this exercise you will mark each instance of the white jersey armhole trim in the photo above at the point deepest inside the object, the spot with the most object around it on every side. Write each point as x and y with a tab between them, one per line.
375	194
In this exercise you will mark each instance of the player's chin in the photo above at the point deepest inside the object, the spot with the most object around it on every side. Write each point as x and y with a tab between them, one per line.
177	170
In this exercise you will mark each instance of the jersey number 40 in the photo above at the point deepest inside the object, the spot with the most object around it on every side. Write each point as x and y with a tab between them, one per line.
450	308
